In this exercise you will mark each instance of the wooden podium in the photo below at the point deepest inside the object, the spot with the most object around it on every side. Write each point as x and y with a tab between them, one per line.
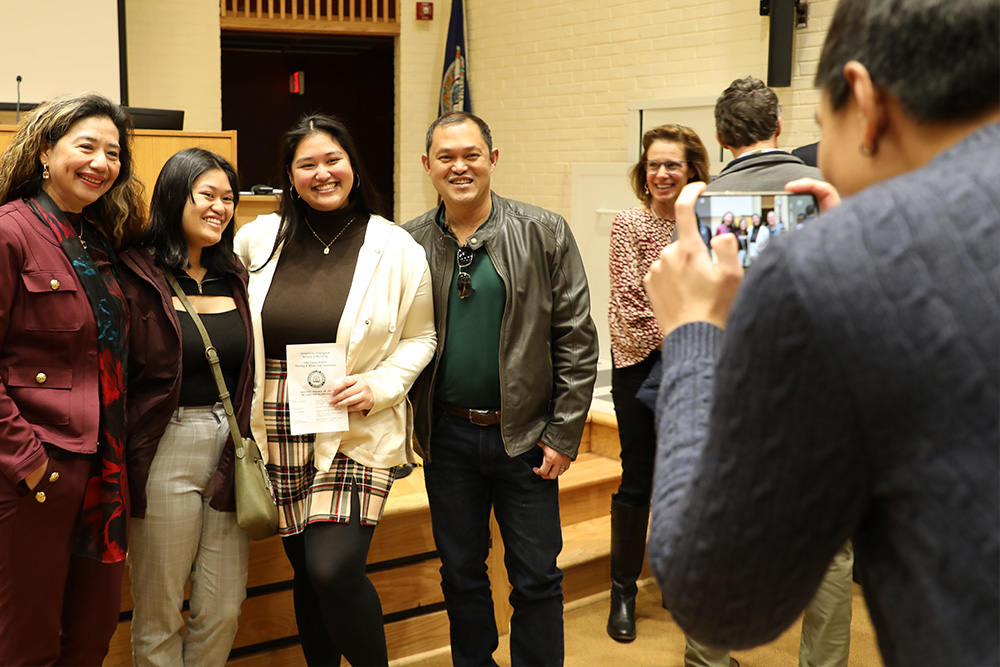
152	148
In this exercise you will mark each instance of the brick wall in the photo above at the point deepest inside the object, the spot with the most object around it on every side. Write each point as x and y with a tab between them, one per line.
555	79
419	61
175	59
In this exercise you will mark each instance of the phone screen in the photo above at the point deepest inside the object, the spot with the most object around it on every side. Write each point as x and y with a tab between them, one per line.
754	217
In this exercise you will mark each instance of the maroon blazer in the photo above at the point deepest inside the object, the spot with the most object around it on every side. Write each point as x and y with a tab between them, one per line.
48	348
154	375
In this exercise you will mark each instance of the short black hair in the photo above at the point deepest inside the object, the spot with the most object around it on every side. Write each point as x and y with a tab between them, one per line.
455	118
939	58
173	190
746	113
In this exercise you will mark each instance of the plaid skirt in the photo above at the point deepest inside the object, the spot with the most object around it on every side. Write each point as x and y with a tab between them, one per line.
305	494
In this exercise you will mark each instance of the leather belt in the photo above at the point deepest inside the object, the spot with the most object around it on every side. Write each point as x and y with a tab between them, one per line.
477	417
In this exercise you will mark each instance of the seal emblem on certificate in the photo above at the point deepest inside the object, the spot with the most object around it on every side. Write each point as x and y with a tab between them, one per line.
311	368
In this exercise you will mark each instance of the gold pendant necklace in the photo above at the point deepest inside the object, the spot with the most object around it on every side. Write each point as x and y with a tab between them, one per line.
326	246
79	234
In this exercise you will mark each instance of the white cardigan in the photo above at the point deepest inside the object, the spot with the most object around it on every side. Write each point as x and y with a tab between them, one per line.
388	324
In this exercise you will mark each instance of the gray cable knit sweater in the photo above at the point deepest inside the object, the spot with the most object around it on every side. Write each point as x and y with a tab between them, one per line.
855	393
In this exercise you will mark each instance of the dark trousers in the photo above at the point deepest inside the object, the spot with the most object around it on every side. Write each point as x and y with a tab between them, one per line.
55	609
636	432
468	473
337	608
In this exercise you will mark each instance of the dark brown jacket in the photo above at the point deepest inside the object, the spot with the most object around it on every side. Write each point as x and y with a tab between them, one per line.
154	375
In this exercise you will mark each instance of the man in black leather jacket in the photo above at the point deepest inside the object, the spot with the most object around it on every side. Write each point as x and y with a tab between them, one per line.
500	411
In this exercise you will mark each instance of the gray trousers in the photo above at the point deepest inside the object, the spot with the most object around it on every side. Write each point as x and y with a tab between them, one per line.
826	623
182	539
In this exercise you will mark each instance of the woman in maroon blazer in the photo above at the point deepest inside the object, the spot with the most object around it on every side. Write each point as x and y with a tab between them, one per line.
69	200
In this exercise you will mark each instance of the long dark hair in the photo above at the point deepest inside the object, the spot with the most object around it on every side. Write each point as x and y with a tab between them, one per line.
173	190
363	197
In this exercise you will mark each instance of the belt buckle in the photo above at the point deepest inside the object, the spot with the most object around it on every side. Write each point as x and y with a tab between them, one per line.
480	417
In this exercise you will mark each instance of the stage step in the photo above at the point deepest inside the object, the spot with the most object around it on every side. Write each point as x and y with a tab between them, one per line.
403	565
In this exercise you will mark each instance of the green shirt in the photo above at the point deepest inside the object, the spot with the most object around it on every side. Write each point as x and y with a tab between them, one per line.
469	371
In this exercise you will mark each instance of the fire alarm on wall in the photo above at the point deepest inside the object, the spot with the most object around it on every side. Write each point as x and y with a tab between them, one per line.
425	11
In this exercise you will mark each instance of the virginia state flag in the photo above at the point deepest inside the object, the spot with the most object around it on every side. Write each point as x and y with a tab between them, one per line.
455	81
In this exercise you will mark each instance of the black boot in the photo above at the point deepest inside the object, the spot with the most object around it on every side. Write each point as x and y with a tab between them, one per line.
628	546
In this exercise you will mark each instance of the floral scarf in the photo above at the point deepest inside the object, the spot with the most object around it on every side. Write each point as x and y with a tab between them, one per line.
101	533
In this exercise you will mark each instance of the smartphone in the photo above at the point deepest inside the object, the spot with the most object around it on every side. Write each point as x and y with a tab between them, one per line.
754	217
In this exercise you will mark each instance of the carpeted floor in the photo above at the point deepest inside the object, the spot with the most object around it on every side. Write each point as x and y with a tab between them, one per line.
660	642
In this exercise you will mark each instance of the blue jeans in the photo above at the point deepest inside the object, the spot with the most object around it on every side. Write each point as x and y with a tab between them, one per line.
469	472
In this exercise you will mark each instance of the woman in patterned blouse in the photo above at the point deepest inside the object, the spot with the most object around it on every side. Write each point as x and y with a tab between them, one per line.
672	155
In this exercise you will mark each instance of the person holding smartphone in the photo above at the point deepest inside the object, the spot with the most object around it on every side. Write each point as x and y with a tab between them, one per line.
672	156
748	123
875	338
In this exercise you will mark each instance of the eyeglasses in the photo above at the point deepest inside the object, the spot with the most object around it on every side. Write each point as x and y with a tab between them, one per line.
673	167
465	256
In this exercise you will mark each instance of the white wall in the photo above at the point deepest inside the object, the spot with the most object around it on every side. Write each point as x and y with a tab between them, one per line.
175	59
58	47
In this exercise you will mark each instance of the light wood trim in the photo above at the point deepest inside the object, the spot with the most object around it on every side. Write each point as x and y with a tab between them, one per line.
499	583
290	656
340	26
410	587
152	148
417	634
253	205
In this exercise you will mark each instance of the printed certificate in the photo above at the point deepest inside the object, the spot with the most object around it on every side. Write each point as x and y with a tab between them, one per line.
312	369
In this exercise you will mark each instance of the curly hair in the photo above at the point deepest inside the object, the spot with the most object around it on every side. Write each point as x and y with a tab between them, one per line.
695	154
120	213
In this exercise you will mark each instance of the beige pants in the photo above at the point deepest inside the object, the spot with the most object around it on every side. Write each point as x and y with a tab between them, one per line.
826	623
180	539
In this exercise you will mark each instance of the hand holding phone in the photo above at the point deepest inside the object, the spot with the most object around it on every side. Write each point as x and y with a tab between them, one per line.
686	284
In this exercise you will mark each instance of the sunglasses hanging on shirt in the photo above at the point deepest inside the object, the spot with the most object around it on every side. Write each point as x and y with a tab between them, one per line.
465	256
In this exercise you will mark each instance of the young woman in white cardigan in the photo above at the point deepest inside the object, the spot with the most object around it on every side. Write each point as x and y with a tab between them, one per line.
328	269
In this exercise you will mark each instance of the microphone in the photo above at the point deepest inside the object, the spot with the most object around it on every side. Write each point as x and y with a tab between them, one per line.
17	115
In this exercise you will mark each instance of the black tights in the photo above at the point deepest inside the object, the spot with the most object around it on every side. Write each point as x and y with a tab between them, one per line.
336	606
636	432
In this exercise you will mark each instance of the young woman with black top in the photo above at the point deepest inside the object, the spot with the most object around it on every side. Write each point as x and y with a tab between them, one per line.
180	451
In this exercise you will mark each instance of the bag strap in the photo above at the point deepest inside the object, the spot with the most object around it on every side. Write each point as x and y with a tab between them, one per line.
213	361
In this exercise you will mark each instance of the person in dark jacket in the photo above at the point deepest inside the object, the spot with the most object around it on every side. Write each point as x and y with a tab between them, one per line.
500	410
868	406
70	198
748	122
179	449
